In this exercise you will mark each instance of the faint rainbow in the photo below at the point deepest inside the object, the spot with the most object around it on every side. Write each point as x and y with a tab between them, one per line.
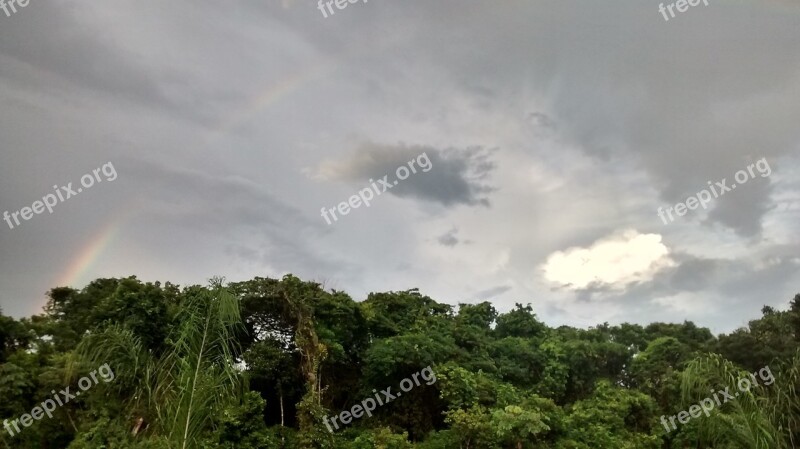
86	259
273	93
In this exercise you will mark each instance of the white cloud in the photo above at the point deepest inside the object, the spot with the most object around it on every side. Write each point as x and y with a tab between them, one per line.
612	262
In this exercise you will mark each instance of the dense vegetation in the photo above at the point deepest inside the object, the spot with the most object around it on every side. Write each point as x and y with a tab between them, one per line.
261	363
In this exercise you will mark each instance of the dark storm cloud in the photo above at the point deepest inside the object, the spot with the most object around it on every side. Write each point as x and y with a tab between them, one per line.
758	282
456	176
694	274
741	210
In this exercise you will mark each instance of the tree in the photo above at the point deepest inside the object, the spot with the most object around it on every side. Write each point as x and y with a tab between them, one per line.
13	336
518	360
473	427
514	425
696	338
275	371
179	393
612	417
794	319
392	313
655	370
520	322
298	296
260	363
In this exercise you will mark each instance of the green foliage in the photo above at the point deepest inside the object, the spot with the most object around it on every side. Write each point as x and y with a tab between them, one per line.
459	387
13	336
261	363
179	392
688	333
16	386
518	360
380	438
765	416
242	425
613	417
108	433
656	370
473	427
393	313
771	337
555	374
520	322
472	333
515	425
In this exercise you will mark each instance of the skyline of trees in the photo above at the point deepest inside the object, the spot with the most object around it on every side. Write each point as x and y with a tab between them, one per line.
259	363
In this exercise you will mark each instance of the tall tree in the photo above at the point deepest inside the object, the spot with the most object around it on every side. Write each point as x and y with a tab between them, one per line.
180	392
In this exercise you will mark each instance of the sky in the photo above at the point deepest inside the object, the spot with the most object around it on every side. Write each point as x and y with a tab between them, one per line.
546	145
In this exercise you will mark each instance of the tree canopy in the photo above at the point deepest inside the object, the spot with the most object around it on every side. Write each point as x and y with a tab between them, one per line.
263	363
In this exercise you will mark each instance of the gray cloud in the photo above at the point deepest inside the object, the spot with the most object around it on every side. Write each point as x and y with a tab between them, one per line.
611	89
603	113
206	204
449	238
542	120
743	208
457	176
697	287
694	274
50	41
493	291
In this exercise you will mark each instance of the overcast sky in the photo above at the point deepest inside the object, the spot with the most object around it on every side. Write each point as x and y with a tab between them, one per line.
554	131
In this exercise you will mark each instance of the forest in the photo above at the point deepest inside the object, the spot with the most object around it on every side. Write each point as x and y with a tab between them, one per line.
268	363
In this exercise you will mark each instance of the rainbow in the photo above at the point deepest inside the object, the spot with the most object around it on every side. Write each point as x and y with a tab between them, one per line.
272	93
79	271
